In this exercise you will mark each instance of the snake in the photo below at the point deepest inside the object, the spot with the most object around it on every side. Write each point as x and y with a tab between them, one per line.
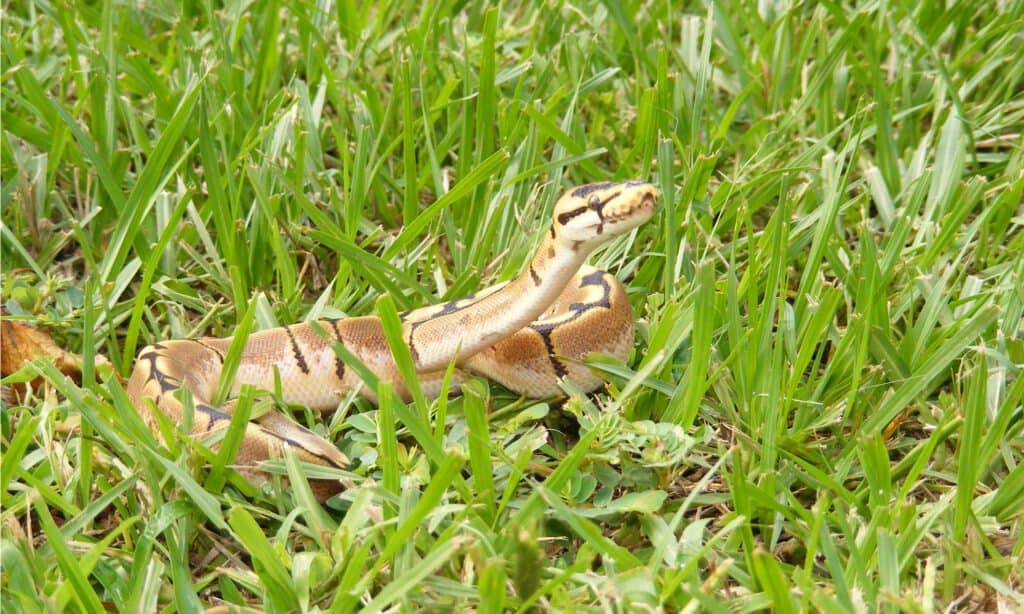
529	334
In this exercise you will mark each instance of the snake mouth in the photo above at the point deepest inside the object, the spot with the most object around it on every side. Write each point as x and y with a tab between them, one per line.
638	213
608	209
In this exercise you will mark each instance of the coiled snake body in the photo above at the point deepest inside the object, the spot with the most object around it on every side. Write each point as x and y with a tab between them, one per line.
526	334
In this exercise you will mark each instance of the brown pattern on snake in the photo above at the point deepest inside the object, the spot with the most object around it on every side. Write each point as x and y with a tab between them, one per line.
299	358
339	364
577	310
572	308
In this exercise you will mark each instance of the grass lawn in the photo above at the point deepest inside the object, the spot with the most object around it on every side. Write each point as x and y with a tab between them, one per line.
823	409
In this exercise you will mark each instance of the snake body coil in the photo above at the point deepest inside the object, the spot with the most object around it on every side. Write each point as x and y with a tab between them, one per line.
526	334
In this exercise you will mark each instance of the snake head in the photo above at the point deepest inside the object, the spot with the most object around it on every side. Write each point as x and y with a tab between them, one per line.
591	214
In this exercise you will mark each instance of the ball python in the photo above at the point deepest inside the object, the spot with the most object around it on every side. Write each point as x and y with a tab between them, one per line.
526	334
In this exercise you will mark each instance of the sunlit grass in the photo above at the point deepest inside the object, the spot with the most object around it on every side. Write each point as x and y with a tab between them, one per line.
824	407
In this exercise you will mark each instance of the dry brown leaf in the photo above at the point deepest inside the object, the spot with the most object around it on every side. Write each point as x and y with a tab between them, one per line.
21	344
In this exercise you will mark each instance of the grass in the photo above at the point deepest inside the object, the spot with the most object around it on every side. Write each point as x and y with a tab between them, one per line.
824	407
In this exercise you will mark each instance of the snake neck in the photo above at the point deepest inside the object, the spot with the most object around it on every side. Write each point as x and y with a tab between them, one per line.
439	334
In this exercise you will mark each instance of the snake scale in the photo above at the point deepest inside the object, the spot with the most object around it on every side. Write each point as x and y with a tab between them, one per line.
527	334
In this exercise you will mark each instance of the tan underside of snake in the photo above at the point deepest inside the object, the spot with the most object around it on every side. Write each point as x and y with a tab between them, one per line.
527	334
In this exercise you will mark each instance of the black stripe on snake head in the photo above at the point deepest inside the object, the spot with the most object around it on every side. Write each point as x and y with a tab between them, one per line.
585	190
534	275
564	218
594	203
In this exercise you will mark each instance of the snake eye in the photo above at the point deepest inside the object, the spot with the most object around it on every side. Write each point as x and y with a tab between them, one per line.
594	202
